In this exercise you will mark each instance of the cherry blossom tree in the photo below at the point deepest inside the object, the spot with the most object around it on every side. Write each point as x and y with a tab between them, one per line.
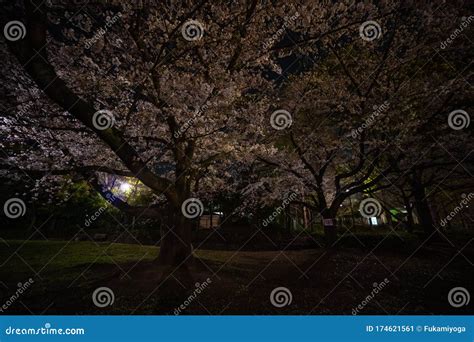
157	92
358	118
180	97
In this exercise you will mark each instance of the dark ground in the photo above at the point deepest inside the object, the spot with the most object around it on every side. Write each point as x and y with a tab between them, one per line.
321	281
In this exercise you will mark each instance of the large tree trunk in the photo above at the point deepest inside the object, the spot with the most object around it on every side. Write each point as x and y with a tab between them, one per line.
175	260
410	222
176	242
423	209
330	227
287	221
410	225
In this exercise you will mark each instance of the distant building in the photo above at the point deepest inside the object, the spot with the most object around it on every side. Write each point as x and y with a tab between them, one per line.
209	221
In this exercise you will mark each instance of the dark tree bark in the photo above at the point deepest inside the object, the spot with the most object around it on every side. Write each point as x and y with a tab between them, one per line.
330	226
175	246
176	242
410	224
422	208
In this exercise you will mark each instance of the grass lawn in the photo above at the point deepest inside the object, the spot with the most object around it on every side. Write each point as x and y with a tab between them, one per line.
52	260
321	282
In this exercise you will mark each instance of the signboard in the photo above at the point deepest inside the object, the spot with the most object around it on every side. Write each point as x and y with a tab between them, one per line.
328	222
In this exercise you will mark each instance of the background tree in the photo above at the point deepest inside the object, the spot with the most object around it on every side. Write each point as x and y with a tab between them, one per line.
156	92
364	105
